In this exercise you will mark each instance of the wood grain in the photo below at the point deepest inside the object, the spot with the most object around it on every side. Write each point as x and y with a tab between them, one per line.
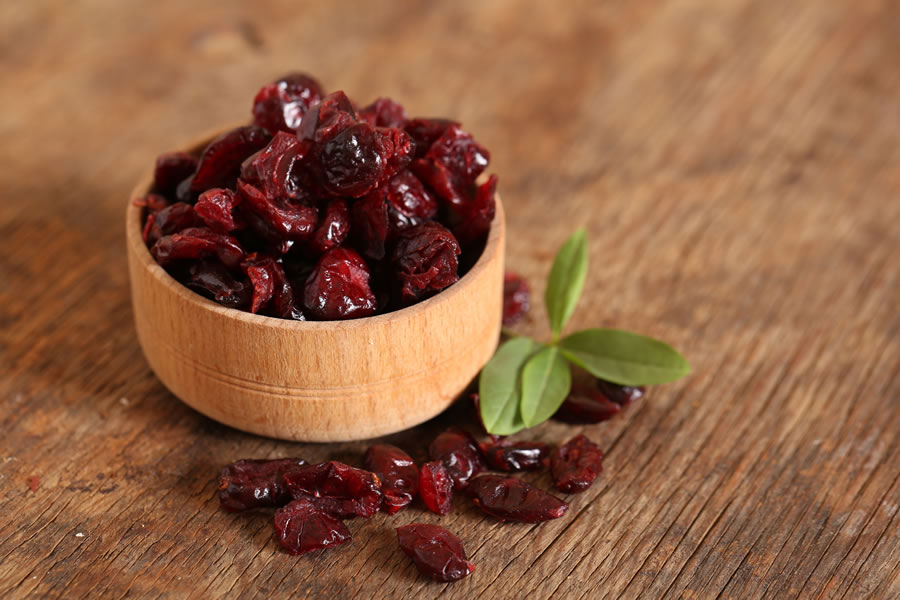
737	166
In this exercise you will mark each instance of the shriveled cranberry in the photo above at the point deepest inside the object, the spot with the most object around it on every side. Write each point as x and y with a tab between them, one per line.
398	473
220	163
436	487
336	488
586	404
384	112
426	260
254	483
212	279
171	219
275	170
371	224
171	169
333	229
478	213
152	202
515	456
401	153
281	104
291	221
425	132
326	118
302	527
460	454
198	242
623	395
409	202
352	162
511	499
516	297
216	206
339	287
271	284
452	164
576	464
436	552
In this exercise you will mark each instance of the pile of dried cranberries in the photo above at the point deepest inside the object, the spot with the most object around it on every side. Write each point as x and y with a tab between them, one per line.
320	210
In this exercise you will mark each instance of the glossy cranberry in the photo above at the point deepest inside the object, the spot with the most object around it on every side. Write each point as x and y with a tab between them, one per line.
451	165
171	169
339	287
436	552
220	163
586	404
213	280
198	242
288	220
622	395
511	499
576	464
426	260
516	298
352	162
336	488
426	132
408	201
252	483
152	202
515	456
460	454
384	112
281	104
436	487
371	224
302	527
477	214
275	170
333	229
215	207
171	219
326	118
398	473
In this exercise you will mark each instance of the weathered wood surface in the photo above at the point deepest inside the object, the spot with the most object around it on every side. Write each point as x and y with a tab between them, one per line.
737	164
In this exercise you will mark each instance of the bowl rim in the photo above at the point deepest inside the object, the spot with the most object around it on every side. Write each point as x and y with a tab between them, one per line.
139	250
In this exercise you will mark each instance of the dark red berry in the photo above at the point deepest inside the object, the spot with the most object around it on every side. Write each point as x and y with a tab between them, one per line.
339	287
198	242
171	169
516	297
220	163
281	104
425	260
333	229
285	219
515	456
336	488
216	207
398	473
436	552
326	118
451	165
436	487
384	112
477	214
408	201
425	132
511	499
273	293
213	280
460	454
276	169
586	404
371	224
302	527
171	219
576	464
352	162
623	395
252	483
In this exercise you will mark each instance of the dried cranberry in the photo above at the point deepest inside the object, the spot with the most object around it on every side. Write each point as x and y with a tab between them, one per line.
516	297
478	213
436	552
425	132
270	283
371	224
576	464
339	287
384	112
275	170
516	456
623	395
452	164
436	487
198	242
302	527
171	219
253	483
216	206
281	104
459	453
171	169
336	488
291	221
220	163
398	473
352	162
333	229
152	202
326	118
586	404
511	499
426	260
214	280
409	202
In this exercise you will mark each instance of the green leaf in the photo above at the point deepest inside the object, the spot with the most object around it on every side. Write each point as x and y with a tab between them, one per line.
498	387
546	381
623	357
566	281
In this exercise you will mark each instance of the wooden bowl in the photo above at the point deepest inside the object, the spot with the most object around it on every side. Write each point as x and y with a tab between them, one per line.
315	381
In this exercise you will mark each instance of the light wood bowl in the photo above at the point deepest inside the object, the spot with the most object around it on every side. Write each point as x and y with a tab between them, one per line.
315	381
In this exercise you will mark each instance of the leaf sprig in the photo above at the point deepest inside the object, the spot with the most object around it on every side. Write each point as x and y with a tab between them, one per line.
527	381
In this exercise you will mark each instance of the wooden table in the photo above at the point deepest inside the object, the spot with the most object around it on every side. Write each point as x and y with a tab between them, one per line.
736	164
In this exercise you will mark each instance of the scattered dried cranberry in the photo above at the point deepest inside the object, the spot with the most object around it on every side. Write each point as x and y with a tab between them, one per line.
504	455
171	169
511	499
212	279
593	404
622	395
333	228
436	487
198	242
220	163
576	464
398	473
336	488
426	260
384	112
436	552
215	207
281	104
302	527
251	483
339	287
459	453
516	297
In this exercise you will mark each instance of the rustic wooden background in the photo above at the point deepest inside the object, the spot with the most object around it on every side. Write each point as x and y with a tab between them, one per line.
737	164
